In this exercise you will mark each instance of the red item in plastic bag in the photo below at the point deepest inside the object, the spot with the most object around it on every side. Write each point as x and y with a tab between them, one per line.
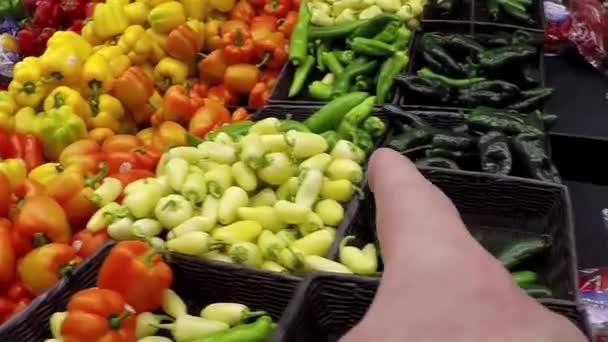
589	31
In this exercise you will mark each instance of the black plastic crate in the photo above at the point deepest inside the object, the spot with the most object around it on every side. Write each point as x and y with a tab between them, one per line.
405	99
198	282
463	11
536	10
498	210
327	306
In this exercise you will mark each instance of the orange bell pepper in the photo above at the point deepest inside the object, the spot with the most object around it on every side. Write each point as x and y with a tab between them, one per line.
241	78
143	114
287	24
100	134
5	195
240	114
86	243
238	46
138	273
17	291
277	8
168	134
242	11
222	94
7	254
98	314
133	88
182	43
233	25
27	188
40	220
121	143
209	117
262	26
84	155
259	95
211	68
145	158
271	52
180	103
44	266
73	192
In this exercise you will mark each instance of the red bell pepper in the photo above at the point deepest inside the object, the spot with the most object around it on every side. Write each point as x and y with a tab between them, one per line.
73	9
272	51
5	195
181	103
287	24
242	11
86	243
43	38
77	25
84	155
40	220
223	94
89	9
138	273
24	190
25	146
277	8
209	117
238	46
47	14
139	158
259	95
7	254
26	40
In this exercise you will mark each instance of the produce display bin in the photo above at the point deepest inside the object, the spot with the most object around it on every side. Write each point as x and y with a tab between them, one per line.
536	10
327	305
462	12
198	282
405	99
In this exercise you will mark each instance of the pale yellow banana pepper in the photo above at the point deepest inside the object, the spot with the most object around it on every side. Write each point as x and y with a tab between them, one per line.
136	44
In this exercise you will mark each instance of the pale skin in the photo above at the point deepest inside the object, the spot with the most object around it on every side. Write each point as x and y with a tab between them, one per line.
439	284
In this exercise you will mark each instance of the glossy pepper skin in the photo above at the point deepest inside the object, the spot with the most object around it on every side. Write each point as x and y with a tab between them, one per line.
86	243
182	43
40	220
44	266
119	62
59	128
180	103
271	52
97	75
23	146
208	117
133	88
5	195
211	69
277	8
84	155
170	71
66	96
238	46
14	169
105	314
167	16
45	173
7	253
26	88
109	19
107	113
138	273
213	36
136	44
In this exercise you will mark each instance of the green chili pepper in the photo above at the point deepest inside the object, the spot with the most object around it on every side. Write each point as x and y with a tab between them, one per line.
258	331
332	63
371	47
360	66
374	25
345	56
300	76
321	48
499	57
530	148
445	153
298	43
336	31
289	125
320	91
525	278
495	153
517	11
403	37
519	251
356	116
388	33
374	126
474	98
362	83
446	6
549	119
444	163
448	81
389	69
331	137
409	139
235	130
330	115
193	140
539	291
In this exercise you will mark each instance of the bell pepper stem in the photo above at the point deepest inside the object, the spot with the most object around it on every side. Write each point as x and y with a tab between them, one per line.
39	239
54	77
115	321
66	270
95	88
29	87
93	181
265	59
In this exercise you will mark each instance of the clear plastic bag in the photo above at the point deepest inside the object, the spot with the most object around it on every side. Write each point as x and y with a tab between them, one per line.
588	31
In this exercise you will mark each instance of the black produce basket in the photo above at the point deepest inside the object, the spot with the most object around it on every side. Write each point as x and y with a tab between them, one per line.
409	100
498	210
327	306
198	282
536	10
462	12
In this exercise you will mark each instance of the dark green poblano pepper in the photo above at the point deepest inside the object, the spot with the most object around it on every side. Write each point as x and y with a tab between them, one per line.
495	153
530	149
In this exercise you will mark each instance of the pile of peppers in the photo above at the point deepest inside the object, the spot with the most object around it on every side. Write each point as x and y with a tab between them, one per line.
360	55
489	140
496	70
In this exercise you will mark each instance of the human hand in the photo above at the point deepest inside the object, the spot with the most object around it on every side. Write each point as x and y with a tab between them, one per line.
439	284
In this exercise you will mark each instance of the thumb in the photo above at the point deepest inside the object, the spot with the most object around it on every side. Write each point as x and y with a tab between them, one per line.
413	217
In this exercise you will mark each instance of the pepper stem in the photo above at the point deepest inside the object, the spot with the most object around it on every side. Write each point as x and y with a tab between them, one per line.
265	59
115	321
39	239
29	88
252	314
239	41
66	270
92	182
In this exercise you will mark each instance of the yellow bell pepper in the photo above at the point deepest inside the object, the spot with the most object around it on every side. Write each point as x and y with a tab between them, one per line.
62	38
137	13
148	70
59	128
166	16
213	36
98	75
221	5
170	71
110	19
88	33
62	65
119	62
45	173
142	114
153	3
195	9
160	43
26	121
66	96
146	135
199	28
14	169
7	109
107	112
26	87
136	44
100	134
